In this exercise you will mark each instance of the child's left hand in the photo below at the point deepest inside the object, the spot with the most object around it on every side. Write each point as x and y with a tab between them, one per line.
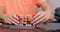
41	16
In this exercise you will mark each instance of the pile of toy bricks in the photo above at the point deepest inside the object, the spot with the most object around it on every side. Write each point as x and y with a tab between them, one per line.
24	21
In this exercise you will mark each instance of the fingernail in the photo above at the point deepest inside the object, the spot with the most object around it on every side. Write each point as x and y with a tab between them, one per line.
33	24
16	24
0	24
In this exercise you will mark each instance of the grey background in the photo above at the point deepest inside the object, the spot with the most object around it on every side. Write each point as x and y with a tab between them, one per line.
53	3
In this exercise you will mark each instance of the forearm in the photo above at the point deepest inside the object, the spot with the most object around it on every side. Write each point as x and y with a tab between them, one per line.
46	7
49	10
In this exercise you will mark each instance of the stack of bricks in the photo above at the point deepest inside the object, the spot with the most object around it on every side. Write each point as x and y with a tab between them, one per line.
24	20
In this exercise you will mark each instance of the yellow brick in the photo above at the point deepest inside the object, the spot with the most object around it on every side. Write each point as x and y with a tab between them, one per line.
22	22
28	19
49	20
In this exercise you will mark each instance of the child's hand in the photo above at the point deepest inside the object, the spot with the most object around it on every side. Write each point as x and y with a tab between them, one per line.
42	16
11	19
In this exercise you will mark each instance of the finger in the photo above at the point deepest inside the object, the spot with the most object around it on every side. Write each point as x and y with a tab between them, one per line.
7	21
46	19
39	20
37	15
13	19
14	23
36	19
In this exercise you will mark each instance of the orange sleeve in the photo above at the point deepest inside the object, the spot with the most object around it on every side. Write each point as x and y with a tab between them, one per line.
39	2
1	2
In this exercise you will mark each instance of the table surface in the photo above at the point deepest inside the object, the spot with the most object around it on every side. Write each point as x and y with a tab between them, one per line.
34	30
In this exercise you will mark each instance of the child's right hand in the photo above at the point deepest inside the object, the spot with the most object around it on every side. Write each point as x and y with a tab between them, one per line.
11	19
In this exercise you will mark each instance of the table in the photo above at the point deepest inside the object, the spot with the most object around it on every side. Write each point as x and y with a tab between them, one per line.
36	29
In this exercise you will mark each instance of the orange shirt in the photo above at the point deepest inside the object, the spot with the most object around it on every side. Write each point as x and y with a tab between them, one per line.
18	7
